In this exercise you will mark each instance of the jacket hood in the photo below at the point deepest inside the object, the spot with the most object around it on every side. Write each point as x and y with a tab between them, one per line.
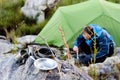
96	29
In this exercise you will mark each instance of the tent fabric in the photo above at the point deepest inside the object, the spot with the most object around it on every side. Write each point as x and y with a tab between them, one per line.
73	18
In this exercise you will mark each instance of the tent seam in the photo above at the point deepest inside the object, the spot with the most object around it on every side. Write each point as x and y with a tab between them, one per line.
66	21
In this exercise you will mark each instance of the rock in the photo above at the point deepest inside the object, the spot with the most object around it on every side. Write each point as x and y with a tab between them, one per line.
26	39
10	70
5	46
3	37
108	70
52	76
117	51
52	3
40	17
7	66
17	46
66	70
34	9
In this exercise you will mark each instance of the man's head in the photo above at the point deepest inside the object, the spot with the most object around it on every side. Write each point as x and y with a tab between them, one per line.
87	32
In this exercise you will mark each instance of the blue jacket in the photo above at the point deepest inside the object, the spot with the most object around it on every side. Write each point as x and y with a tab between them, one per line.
103	38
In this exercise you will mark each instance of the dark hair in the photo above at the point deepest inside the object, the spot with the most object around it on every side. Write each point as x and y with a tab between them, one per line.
89	30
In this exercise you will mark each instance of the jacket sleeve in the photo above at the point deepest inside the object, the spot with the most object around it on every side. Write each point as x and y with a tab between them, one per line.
79	40
104	46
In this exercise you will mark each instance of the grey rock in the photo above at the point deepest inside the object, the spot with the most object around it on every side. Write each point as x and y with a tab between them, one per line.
26	39
35	9
52	3
106	70
5	46
3	37
9	70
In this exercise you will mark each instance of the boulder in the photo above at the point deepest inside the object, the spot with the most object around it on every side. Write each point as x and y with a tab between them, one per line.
35	9
26	39
10	70
108	70
5	46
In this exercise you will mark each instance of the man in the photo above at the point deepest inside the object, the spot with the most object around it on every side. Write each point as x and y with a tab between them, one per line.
94	45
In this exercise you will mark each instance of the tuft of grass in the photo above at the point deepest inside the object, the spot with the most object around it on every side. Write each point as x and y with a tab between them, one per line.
33	29
92	72
9	13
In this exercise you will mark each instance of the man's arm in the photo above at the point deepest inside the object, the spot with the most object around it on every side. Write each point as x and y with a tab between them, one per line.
77	42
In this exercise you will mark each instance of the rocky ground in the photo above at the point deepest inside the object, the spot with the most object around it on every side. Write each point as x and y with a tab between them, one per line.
10	69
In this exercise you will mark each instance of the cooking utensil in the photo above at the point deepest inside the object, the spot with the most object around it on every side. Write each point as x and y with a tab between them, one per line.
77	60
44	63
77	56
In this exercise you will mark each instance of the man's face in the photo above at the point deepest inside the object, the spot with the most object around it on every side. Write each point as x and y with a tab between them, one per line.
86	35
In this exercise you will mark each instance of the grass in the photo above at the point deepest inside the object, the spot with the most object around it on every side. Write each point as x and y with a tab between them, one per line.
11	17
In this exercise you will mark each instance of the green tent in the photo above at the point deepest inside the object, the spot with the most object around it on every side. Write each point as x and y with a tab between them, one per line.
73	18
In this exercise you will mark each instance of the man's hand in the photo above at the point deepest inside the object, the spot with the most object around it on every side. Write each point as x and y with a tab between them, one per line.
76	49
